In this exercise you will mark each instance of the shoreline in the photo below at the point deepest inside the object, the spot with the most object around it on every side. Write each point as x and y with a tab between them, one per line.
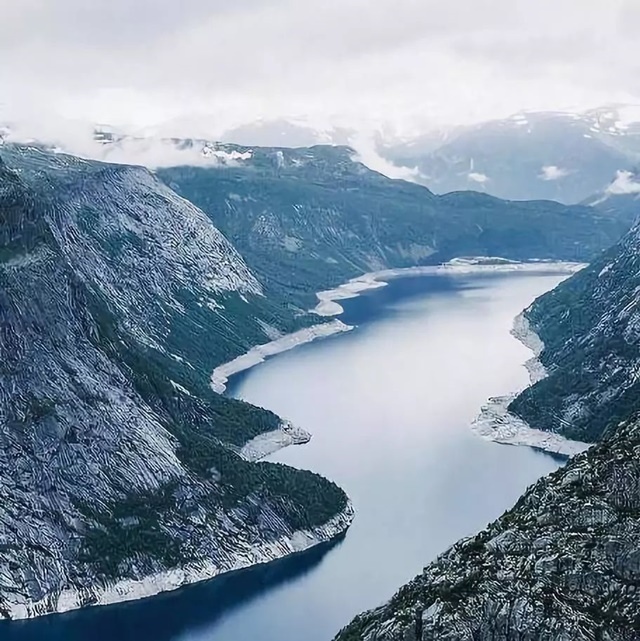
292	542
328	306
270	442
259	353
495	423
125	590
327	300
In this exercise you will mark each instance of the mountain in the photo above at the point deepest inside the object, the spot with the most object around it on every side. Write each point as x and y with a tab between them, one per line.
592	350
557	156
122	473
285	133
309	219
564	562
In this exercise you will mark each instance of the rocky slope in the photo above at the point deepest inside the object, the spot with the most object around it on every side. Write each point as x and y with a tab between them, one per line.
120	470
589	326
310	219
562	565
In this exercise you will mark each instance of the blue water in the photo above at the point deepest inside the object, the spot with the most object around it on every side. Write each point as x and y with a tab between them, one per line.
389	405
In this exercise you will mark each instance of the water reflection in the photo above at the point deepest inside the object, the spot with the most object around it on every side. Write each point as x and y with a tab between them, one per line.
169	616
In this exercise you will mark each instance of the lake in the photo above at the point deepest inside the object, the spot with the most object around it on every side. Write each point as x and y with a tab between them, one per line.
389	406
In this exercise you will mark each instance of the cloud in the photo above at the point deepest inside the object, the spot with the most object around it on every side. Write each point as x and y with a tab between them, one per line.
477	177
625	183
367	154
552	172
205	66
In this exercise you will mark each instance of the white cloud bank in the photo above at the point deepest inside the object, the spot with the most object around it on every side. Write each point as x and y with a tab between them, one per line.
367	154
625	183
479	178
552	172
200	67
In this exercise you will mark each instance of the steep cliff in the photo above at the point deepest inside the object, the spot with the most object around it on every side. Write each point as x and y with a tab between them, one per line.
120	470
562	565
589	326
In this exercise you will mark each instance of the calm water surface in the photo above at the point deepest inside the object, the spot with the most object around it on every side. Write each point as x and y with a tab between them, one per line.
389	406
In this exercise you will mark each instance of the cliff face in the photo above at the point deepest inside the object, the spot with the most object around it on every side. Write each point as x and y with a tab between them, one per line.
563	564
589	326
119	469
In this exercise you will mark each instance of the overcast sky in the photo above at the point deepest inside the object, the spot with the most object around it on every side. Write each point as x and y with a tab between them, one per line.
212	64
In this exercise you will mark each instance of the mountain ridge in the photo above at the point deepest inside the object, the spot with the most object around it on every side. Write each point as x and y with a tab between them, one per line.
121	297
118	461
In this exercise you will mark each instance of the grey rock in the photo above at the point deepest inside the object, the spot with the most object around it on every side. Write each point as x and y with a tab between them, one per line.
578	579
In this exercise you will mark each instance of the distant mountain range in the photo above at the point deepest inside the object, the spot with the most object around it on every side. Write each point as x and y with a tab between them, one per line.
562	156
557	156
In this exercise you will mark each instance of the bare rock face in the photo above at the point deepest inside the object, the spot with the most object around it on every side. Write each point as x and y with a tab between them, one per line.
118	467
563	564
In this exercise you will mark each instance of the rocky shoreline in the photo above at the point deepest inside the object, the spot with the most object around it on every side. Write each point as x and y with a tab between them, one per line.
131	590
269	442
495	422
260	353
328	305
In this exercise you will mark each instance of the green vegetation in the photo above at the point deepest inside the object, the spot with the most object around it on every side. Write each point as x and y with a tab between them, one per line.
311	219
129	528
590	349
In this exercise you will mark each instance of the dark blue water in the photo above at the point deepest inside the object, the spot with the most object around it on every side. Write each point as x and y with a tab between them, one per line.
389	406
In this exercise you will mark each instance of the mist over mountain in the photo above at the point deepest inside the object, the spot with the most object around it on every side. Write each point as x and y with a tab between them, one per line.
555	156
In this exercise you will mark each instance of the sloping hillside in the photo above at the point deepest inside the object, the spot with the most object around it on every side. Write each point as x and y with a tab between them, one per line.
120	469
309	219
